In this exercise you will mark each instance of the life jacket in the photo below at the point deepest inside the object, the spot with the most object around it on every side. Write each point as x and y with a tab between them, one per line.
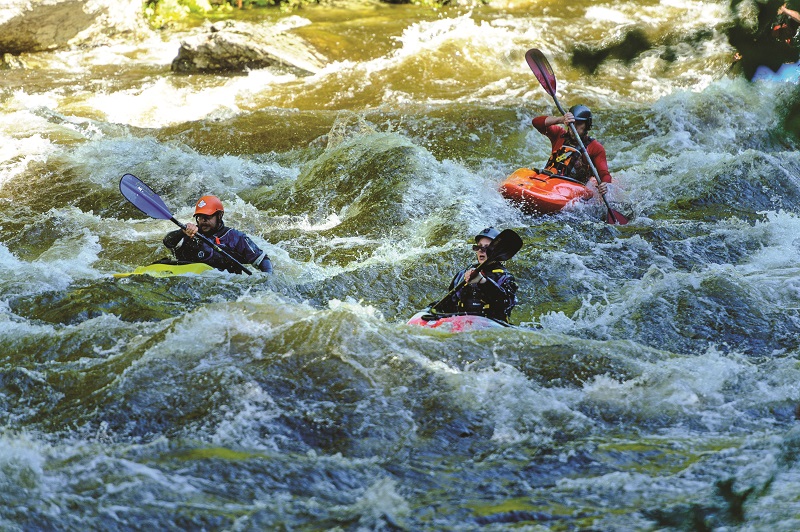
785	29
474	299
568	161
234	242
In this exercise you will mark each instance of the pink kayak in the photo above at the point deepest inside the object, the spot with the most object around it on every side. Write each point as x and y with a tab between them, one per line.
455	322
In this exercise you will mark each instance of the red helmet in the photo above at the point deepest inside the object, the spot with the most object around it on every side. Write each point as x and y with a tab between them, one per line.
208	205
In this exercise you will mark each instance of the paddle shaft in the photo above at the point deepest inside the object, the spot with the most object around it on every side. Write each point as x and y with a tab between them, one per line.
480	267
213	245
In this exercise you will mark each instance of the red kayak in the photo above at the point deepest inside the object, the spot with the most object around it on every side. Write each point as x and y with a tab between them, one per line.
455	322
535	192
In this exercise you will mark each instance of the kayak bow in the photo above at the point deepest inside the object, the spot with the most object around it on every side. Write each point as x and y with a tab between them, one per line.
534	192
167	270
455	322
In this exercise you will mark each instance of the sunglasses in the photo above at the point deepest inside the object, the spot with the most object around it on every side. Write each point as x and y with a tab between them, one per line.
476	247
203	217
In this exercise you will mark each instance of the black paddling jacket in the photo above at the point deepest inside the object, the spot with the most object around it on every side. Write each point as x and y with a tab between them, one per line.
494	299
230	240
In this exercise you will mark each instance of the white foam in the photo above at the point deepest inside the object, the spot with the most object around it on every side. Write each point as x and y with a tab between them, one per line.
380	501
23	477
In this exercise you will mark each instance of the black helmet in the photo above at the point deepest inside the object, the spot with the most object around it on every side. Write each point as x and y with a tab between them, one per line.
489	232
582	114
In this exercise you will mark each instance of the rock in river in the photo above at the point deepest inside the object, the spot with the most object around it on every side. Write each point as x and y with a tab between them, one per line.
239	46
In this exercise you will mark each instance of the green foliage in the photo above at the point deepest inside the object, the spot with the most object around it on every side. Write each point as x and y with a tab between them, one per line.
285	5
164	12
440	3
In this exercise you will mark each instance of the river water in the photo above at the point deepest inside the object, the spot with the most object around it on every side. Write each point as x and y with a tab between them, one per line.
652	385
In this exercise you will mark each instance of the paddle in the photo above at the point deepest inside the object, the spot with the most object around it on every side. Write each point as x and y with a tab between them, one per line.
503	247
147	201
544	73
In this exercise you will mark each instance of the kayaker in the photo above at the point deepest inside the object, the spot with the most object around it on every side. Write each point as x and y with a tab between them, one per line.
490	292
565	157
208	214
785	27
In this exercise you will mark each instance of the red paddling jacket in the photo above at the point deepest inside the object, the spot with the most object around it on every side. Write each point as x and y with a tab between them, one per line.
566	159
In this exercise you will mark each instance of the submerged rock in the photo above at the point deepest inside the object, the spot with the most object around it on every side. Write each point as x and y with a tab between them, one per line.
238	46
11	62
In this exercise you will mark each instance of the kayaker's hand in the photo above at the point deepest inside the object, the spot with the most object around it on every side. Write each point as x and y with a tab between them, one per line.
478	279
190	230
603	188
568	118
468	275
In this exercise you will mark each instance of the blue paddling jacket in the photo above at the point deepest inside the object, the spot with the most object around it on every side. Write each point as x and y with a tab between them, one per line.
230	240
494	299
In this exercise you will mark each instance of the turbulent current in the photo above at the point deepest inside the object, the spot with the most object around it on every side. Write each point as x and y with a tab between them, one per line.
652	383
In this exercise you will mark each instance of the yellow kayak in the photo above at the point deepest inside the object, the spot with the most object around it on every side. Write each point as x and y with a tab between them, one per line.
167	270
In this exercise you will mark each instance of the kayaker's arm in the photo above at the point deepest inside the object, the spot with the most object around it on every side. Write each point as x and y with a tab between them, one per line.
543	122
470	277
500	290
492	290
486	280
791	13
598	154
174	238
247	251
554	120
263	263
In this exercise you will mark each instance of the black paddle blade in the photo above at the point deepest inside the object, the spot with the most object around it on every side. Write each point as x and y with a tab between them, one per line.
143	198
542	70
503	247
